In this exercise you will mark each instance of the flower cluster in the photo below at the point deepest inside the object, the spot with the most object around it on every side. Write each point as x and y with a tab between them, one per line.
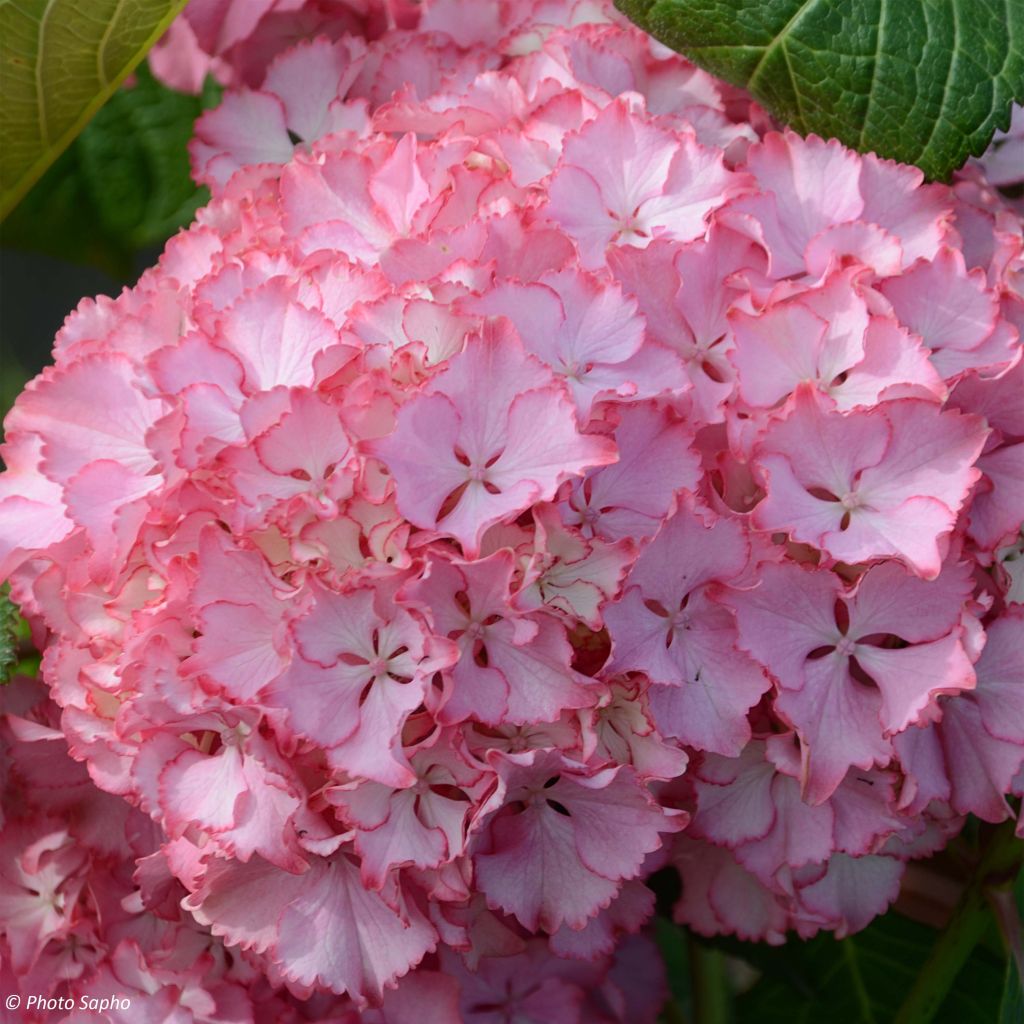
233	41
530	472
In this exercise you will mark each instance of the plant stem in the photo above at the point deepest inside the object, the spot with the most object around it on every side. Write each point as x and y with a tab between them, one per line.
710	985
999	865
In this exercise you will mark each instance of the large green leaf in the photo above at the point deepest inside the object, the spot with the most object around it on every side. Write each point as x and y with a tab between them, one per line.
60	61
921	81
122	185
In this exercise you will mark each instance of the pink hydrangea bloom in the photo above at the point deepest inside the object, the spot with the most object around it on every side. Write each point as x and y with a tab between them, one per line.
884	482
528	472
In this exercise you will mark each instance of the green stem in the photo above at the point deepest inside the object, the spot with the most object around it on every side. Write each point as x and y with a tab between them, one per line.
999	864
710	985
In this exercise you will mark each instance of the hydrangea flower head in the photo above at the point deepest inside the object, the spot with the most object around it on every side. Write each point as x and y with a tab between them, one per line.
531	470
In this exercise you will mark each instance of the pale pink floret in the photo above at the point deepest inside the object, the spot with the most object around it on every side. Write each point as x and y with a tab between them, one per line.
216	777
362	204
60	408
625	182
571	575
303	464
274	336
843	685
40	877
423	825
788	344
512	666
970	757
809	189
524	983
1002	161
827	337
806	186
723	898
630	498
32	514
463	459
954	314
850	893
685	294
623	729
627	913
302	100
597	347
786	858
995	512
669	626
567	827
325	927
359	674
243	614
883	482
178	61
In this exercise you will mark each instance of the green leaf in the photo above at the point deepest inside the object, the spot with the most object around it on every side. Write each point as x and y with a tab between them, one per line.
122	185
8	635
1010	909
862	979
1000	863
711	993
61	60
921	81
1011	1009
672	944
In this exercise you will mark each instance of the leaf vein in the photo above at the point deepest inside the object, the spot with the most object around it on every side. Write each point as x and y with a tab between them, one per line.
876	60
941	115
44	128
101	50
778	40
